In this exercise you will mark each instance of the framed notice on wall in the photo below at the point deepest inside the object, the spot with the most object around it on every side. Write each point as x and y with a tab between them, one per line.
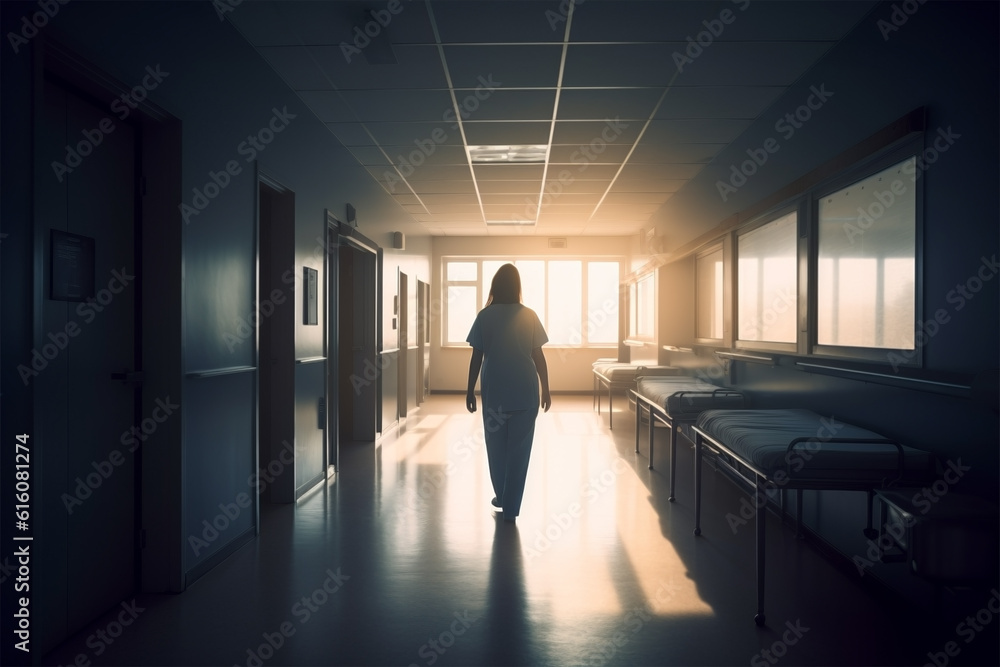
310	283
71	267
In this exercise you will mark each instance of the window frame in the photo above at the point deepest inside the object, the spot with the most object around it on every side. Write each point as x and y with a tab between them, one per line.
705	252
795	206
632	332
480	281
912	147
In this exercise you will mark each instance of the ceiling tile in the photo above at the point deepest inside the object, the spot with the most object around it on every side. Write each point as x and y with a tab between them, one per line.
506	105
507	66
593	132
499	133
695	131
628	104
599	65
598	152
682	153
439	132
718	101
418	66
510	186
508	172
500	21
397	105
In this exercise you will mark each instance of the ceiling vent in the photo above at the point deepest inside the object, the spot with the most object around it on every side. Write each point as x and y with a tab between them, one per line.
558	242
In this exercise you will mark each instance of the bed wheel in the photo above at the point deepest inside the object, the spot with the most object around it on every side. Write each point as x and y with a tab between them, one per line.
697	531
670	499
759	620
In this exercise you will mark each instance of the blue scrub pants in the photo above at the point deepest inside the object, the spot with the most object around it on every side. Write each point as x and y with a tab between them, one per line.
508	447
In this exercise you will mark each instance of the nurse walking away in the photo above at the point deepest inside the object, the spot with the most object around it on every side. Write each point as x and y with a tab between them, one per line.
507	341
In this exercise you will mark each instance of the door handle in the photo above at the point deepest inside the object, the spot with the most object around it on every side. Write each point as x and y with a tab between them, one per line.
133	378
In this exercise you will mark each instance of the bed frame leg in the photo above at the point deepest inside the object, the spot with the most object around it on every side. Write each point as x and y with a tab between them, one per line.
652	436
611	408
798	513
673	459
761	519
638	423
697	484
869	531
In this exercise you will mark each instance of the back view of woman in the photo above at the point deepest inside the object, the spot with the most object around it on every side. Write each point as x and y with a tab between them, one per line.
507	340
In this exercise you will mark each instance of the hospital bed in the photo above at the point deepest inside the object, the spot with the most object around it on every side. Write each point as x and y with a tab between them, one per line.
673	401
799	449
620	375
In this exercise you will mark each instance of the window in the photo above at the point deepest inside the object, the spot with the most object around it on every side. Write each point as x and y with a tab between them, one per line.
866	269
767	282
708	294
642	308
575	299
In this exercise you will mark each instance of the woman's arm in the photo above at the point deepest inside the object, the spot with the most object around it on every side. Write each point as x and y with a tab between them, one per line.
474	365
543	375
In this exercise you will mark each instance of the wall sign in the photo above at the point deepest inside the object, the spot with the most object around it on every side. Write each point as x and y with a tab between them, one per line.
71	264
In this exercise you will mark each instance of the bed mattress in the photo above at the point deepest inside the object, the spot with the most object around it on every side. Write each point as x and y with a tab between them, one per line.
684	395
761	437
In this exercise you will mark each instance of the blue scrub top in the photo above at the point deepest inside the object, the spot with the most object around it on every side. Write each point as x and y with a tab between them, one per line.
507	333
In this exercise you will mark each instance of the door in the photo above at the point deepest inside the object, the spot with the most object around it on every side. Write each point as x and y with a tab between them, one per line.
86	212
424	339
402	359
359	383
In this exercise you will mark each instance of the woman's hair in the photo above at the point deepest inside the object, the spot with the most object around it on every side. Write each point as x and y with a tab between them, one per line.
506	286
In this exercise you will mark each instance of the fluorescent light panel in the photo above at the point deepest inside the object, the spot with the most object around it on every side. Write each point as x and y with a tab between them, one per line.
508	154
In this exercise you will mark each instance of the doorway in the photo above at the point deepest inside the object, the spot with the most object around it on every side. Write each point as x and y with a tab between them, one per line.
87	217
276	334
423	340
355	336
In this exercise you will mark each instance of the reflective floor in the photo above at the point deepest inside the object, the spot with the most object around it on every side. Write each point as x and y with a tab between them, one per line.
399	560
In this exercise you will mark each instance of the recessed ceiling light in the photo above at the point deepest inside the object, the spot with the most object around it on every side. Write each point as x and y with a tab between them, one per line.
504	154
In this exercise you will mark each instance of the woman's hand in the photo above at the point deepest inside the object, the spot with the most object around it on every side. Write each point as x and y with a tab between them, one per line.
470	401
546	401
